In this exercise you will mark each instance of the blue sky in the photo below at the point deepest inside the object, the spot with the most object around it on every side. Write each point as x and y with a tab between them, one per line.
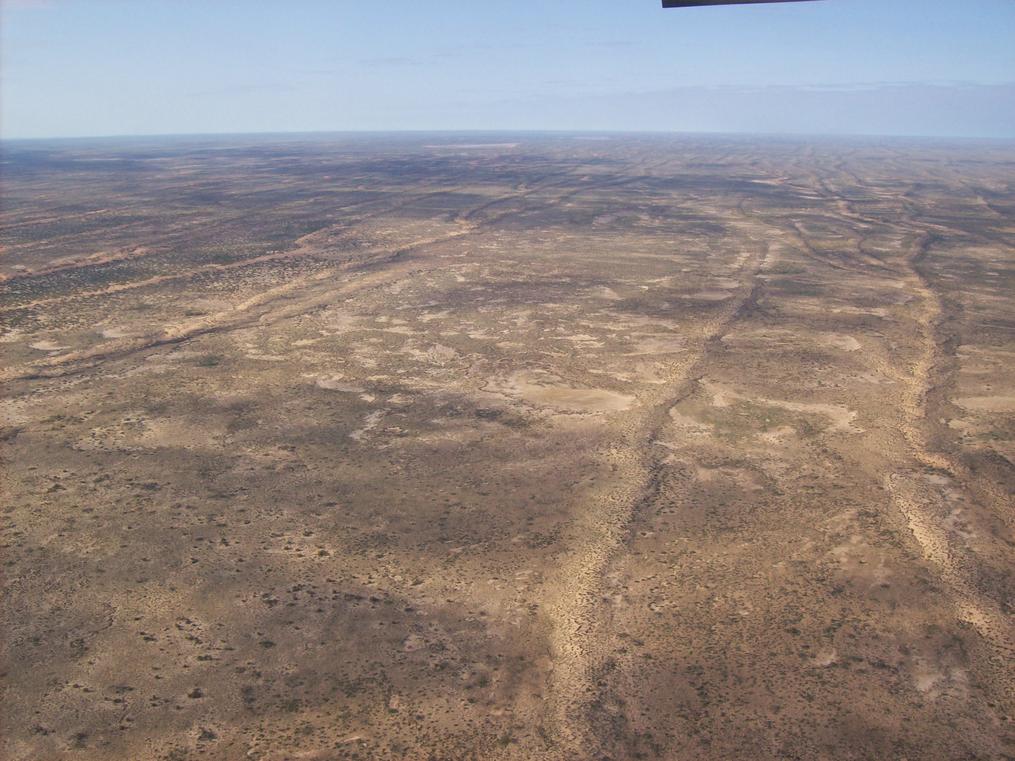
111	67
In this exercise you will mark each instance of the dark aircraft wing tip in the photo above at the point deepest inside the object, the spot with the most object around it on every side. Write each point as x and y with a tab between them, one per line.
697	3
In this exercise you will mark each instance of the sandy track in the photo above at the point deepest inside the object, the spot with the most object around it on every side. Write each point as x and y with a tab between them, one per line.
941	548
603	524
923	383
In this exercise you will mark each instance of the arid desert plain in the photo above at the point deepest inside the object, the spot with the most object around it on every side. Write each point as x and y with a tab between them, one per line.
512	447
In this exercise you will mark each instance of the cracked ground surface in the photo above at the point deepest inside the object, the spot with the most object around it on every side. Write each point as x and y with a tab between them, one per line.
535	447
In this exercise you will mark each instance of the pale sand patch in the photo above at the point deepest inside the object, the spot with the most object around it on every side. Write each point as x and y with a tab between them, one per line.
438	354
634	322
720	396
581	399
651	372
656	373
839	341
336	383
660	343
740	476
938	679
842	417
810	306
708	295
544	389
341	321
874	311
689	424
369	423
779	435
430	316
987	403
586	341
47	346
825	658
779	337
605	292
728	282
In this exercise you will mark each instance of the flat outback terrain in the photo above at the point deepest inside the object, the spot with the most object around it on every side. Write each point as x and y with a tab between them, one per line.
543	447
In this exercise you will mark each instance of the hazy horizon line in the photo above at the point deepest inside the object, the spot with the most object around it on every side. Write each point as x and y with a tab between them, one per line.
504	131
